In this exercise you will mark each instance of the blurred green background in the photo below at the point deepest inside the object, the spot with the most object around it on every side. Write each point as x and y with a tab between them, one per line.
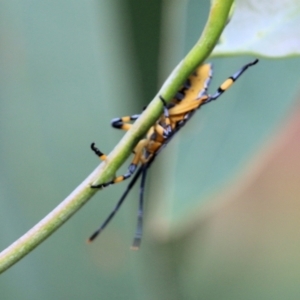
66	69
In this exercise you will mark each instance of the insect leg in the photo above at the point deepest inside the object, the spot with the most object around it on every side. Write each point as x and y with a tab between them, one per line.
119	203
229	81
123	123
167	129
100	154
131	168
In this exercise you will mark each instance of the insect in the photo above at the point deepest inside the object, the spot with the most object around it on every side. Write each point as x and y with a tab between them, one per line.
192	95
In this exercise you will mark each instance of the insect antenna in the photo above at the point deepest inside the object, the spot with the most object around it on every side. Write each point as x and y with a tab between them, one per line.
139	228
119	203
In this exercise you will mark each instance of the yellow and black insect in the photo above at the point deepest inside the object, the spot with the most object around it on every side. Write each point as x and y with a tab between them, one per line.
190	97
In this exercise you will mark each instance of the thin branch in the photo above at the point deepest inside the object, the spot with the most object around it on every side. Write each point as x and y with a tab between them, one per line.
24	245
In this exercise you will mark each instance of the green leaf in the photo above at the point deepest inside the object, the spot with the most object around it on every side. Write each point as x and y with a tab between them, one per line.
262	28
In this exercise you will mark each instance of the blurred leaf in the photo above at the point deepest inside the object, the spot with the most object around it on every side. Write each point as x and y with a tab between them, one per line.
262	28
59	64
206	157
249	247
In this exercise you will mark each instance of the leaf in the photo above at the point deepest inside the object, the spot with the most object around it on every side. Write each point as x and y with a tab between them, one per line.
262	28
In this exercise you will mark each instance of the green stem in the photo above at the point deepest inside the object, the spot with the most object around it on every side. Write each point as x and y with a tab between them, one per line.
215	25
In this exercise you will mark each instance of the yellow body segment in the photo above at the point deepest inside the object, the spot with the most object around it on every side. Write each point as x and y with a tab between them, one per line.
186	106
126	119
103	157
119	179
194	96
126	126
226	84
